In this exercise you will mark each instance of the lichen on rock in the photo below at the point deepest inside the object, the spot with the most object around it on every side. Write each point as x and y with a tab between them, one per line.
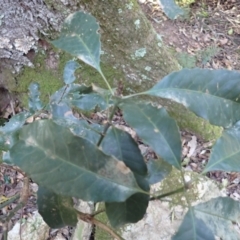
21	23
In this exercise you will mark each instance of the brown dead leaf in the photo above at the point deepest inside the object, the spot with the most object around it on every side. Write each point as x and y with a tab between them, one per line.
192	146
223	41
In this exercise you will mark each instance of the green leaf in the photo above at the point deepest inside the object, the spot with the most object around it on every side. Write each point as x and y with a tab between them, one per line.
80	37
215	217
226	152
69	70
193	228
56	210
8	133
62	115
157	170
211	94
171	9
71	166
130	211
79	96
34	101
15	123
121	145
70	89
155	128
220	215
87	102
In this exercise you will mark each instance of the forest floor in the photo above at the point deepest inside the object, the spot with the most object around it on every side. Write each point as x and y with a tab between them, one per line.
208	38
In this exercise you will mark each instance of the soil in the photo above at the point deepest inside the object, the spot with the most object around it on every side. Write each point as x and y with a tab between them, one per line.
208	38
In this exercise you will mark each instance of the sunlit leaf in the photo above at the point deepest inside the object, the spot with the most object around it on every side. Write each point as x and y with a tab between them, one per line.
56	210
211	94
155	128
225	154
69	70
221	216
216	217
193	228
80	37
71	166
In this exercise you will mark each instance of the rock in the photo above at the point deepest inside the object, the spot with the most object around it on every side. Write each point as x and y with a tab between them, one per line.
163	218
83	230
34	228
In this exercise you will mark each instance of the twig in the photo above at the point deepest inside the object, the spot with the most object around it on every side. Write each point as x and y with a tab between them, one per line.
108	124
181	189
90	219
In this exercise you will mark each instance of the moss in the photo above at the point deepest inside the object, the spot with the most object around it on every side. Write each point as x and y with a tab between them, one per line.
48	80
100	234
88	75
188	121
173	182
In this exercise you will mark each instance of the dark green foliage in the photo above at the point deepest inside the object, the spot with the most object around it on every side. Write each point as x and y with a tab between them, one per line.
57	210
95	161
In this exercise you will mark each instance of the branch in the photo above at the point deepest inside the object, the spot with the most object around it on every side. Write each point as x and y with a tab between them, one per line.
90	219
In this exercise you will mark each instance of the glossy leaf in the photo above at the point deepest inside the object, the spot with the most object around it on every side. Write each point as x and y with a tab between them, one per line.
121	145
71	166
80	37
34	102
193	228
225	154
155	128
56	210
171	9
132	210
69	70
211	94
157	170
220	215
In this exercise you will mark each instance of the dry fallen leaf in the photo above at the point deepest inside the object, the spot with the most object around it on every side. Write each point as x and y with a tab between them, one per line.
192	146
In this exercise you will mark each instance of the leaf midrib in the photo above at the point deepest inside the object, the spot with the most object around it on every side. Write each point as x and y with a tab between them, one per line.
83	170
175	159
